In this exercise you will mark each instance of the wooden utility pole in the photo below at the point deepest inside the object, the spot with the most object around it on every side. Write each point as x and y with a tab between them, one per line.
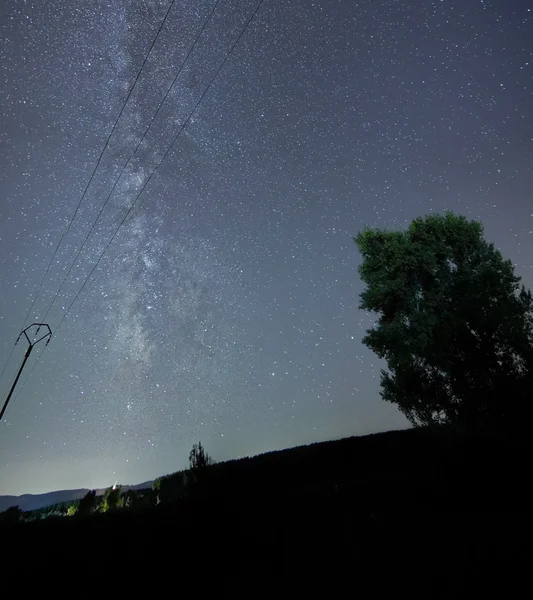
31	344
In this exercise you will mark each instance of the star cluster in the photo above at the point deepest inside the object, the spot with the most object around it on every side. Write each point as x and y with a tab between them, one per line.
226	308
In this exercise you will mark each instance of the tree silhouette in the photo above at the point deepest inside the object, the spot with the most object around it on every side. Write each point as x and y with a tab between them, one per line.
198	457
87	504
156	488
130	498
112	498
454	325
13	514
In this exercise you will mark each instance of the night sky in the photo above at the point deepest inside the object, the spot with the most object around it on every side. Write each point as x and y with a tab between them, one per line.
226	308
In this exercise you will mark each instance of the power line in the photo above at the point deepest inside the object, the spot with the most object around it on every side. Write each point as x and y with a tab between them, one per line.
132	155
243	31
185	123
10	355
65	233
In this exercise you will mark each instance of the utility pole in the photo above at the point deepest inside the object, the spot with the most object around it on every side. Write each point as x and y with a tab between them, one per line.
31	344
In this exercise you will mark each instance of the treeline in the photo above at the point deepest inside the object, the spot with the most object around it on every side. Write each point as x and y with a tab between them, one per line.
440	511
435	468
439	466
169	487
113	498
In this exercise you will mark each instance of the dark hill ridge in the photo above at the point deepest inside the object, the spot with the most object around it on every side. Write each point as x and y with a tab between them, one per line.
425	466
290	457
33	501
427	461
432	513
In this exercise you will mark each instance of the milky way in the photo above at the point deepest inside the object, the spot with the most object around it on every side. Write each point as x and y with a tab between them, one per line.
226	308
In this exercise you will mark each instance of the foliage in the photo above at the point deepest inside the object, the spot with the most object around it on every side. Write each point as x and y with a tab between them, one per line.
454	325
52	510
156	488
112	499
130	498
139	499
13	514
72	510
198	457
87	504
171	487
185	484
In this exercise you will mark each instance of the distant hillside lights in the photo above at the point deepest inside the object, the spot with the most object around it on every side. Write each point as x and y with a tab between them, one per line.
182	484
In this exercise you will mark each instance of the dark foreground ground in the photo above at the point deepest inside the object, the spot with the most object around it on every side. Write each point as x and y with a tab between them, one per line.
430	514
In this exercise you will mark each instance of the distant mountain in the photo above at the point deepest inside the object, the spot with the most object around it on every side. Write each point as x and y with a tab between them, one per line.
34	501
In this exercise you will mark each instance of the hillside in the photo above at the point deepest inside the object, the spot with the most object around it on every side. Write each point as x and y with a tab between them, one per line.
433	512
28	502
412	458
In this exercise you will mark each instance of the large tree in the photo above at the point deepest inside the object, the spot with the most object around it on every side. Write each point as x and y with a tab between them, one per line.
453	322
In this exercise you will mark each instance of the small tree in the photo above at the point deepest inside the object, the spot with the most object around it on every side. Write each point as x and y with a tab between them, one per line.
198	457
72	510
454	325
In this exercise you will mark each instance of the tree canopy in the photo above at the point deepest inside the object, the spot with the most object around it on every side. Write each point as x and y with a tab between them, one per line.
199	458
13	514
112	498
87	504
453	322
